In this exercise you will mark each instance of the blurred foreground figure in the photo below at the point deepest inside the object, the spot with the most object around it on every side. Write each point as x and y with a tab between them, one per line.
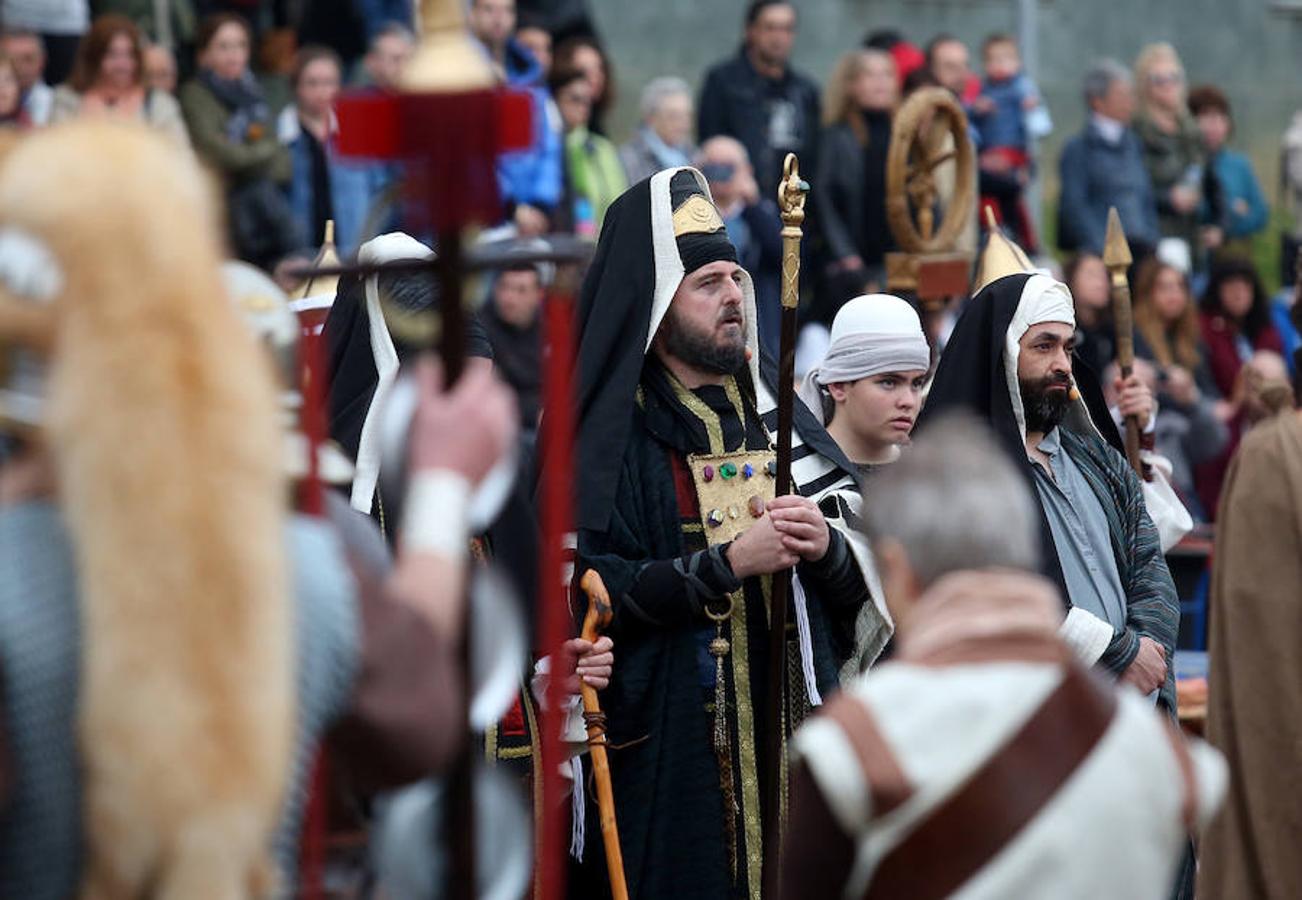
1254	712
174	643
984	759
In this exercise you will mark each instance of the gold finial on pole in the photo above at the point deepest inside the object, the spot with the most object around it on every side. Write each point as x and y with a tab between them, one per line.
1117	258
448	58
792	191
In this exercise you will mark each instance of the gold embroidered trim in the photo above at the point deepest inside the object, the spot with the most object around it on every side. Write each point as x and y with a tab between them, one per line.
514	752
749	774
709	418
490	743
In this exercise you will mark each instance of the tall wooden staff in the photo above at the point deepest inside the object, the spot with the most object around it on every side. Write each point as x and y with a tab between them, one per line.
1117	258
597	619
791	201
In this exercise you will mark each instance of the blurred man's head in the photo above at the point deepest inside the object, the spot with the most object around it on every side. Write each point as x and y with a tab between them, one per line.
947	58
390	49
1110	91
492	21
953	503
26	50
160	69
771	32
726	166
1267	387
538	41
667	110
518	294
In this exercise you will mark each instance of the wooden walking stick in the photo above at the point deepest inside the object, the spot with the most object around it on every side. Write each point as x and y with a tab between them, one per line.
791	201
596	620
1117	258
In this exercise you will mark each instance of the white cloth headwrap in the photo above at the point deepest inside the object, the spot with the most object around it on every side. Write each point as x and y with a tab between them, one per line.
1043	300
871	335
385	248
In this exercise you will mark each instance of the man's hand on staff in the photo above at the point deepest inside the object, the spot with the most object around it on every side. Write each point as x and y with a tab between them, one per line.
1148	671
593	663
792	529
1134	399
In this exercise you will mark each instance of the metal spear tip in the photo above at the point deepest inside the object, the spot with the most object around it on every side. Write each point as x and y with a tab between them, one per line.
1116	249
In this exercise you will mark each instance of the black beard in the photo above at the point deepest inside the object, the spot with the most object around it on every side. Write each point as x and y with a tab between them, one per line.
1045	409
700	350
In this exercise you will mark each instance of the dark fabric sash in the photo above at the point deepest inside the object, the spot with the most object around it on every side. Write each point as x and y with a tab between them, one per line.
963	834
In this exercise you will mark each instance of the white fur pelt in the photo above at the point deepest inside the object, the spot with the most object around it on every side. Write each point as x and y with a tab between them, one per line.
162	418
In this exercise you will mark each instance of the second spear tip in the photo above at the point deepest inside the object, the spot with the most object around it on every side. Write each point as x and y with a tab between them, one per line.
1116	249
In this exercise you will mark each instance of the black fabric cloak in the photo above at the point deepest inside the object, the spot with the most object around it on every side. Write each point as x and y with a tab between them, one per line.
632	436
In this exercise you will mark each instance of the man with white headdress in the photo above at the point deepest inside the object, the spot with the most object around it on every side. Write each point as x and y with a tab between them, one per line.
677	514
868	389
1010	360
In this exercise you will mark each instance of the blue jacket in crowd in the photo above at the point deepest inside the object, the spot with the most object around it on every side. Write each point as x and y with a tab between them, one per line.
354	186
1239	183
531	176
1005	125
1097	175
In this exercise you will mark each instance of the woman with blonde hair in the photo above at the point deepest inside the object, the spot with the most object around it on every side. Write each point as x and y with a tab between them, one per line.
1174	154
1167	325
850	192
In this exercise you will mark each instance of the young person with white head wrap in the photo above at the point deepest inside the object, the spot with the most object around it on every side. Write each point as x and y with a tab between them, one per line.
868	390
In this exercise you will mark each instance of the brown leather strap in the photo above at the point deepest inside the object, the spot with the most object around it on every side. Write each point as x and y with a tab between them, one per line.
1189	783
962	835
887	782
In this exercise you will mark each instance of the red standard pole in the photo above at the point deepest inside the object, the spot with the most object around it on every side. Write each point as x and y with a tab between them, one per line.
556	440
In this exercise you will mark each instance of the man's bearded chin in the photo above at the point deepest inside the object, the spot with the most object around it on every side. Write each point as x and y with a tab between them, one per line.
1045	408
701	349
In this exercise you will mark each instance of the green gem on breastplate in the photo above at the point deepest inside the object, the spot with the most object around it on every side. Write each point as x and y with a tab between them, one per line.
728	470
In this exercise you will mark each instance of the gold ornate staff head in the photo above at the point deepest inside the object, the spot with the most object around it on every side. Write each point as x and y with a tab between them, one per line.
791	193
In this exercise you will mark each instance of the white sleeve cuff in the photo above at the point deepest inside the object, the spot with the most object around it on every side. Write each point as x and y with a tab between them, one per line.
1086	634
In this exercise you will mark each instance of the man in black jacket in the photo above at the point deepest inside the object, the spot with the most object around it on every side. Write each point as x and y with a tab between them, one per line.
757	98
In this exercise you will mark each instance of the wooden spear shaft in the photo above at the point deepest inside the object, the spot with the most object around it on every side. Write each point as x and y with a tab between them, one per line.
596	621
1117	258
791	201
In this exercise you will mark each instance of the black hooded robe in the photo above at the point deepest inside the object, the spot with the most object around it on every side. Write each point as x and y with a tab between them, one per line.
636	515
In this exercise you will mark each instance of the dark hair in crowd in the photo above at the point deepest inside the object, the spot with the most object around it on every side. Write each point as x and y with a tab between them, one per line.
1229	269
209	27
95	46
1208	98
563	58
919	78
882	39
560	79
757	7
310	54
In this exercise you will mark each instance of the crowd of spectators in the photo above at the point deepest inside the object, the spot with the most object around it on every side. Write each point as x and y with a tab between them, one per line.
251	87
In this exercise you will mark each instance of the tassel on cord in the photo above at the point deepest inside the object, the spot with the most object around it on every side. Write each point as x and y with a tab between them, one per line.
806	642
578	809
